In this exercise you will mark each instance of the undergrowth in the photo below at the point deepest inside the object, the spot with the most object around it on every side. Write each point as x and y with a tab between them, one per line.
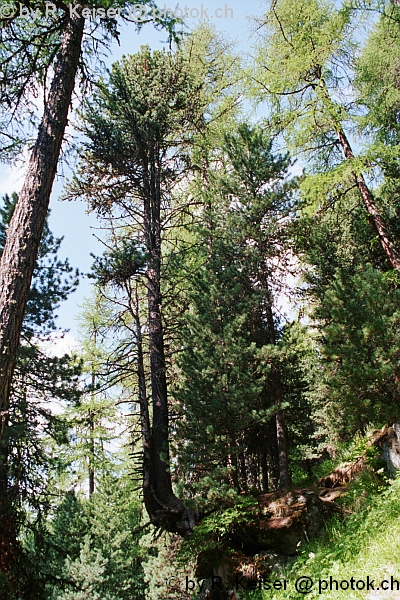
212	532
366	543
349	452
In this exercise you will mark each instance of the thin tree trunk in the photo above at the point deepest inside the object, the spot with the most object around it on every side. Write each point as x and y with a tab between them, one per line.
264	472
369	204
91	432
281	437
151	505
91	457
284	476
26	227
366	195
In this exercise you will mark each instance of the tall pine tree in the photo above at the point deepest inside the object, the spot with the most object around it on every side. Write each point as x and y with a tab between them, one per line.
232	380
25	463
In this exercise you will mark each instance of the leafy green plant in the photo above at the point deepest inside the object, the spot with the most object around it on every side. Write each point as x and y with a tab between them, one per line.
215	529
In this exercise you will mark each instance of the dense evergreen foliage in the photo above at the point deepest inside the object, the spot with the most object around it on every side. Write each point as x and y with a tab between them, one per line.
236	372
244	324
28	458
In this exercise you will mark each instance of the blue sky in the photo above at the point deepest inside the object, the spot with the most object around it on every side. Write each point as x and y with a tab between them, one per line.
69	219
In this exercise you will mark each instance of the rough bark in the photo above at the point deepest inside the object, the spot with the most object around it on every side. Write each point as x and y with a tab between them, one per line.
151	505
20	254
369	204
26	227
163	507
160	424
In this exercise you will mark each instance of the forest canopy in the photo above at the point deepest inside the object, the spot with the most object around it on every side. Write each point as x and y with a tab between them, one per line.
243	326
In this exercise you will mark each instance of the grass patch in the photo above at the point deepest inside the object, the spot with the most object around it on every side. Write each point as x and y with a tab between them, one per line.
365	543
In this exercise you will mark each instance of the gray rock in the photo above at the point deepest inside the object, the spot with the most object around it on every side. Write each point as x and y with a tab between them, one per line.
391	450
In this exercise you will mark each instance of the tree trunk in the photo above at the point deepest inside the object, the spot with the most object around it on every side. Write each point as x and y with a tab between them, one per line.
284	476
369	204
91	455
164	508
91	433
9	545
150	504
264	472
281	437
26	227
160	424
366	196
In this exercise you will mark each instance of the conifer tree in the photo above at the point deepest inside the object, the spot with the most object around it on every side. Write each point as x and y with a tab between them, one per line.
27	55
92	550
140	127
306	53
25	461
231	379
325	90
351	295
95	422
